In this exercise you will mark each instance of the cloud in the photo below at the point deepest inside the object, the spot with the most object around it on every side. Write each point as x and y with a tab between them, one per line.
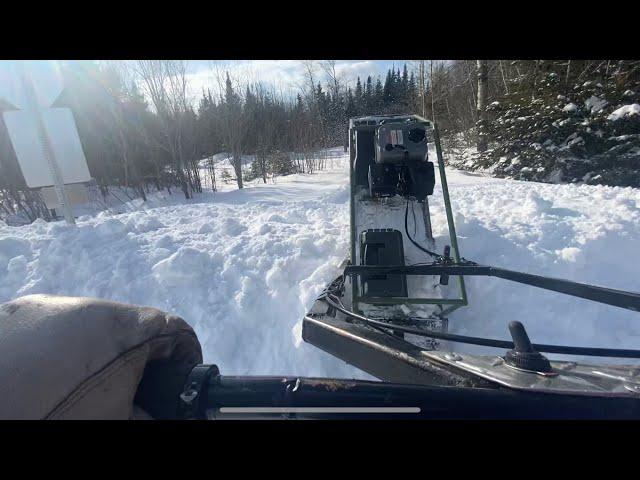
286	77
350	71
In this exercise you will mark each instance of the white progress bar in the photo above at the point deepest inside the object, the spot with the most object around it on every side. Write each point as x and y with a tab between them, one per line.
319	409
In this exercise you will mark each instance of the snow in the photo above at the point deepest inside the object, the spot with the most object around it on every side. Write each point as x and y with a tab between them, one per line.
595	104
625	111
242	267
582	233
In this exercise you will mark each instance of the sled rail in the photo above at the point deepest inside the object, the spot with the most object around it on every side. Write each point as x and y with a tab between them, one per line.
608	296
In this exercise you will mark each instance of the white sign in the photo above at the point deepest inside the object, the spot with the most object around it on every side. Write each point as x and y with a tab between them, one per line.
65	143
45	76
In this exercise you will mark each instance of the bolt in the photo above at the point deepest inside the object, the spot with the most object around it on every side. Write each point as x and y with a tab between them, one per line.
453	357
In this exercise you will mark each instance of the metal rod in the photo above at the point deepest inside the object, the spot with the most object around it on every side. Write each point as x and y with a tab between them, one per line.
616	298
352	211
447	205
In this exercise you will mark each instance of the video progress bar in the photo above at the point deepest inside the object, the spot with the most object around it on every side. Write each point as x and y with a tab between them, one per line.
319	409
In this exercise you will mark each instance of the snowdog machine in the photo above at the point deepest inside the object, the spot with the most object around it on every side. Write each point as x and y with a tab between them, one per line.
385	313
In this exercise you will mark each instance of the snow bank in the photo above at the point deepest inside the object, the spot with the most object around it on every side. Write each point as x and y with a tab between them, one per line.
242	267
625	111
583	233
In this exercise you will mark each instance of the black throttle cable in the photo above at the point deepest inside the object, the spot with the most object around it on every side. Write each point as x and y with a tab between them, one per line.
486	342
438	257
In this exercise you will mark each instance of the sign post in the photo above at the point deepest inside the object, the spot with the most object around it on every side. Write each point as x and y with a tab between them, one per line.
34	111
44	138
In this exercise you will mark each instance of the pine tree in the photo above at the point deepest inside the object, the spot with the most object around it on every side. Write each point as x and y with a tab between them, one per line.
358	99
377	98
412	93
350	106
387	90
368	97
404	88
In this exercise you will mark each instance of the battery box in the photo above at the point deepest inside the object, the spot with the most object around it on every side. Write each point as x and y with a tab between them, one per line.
382	247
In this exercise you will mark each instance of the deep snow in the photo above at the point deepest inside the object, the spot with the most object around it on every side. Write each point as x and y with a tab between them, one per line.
242	267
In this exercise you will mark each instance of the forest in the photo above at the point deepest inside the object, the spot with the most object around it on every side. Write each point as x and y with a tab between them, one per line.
542	120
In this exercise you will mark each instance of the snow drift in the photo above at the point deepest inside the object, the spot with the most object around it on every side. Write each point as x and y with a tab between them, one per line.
242	267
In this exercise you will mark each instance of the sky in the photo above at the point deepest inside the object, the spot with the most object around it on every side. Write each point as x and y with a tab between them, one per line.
283	75
286	77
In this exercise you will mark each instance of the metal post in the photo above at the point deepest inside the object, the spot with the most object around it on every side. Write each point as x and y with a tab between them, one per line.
447	206
49	155
352	211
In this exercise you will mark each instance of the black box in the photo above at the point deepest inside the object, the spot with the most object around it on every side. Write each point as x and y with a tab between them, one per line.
382	247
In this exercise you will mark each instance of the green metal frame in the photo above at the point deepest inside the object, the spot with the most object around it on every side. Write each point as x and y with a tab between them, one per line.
451	303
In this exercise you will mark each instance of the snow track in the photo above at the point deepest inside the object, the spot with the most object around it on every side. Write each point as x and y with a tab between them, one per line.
242	267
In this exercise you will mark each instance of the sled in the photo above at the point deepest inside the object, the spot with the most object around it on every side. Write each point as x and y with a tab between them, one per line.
383	342
371	317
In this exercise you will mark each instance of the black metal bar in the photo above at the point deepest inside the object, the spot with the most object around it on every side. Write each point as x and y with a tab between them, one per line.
326	398
609	296
428	269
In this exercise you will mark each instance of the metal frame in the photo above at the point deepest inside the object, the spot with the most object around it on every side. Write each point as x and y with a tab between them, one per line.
222	397
450	303
608	296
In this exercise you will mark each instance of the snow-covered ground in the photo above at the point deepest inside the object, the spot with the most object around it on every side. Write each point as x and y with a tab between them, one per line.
242	267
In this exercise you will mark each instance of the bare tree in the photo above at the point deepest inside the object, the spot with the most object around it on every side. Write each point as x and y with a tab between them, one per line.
310	68
329	68
117	89
232	123
165	83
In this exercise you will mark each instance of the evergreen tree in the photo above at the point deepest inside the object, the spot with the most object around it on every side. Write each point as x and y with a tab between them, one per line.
368	97
387	89
359	98
350	106
378	97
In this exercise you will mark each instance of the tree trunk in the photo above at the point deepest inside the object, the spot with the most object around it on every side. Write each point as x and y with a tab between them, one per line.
481	105
237	167
263	166
504	80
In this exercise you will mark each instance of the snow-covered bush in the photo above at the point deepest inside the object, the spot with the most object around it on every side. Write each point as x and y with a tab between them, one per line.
588	132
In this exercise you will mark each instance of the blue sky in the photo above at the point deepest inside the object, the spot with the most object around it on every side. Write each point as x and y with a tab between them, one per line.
284	75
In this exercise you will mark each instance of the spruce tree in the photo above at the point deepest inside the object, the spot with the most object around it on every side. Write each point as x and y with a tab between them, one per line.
368	97
358	100
377	98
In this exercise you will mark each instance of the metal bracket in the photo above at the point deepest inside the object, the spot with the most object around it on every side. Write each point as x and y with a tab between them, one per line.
194	390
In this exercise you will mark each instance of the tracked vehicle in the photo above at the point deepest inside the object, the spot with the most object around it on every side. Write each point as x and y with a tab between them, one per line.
386	311
391	176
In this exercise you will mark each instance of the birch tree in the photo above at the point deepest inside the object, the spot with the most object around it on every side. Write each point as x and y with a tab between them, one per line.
481	105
